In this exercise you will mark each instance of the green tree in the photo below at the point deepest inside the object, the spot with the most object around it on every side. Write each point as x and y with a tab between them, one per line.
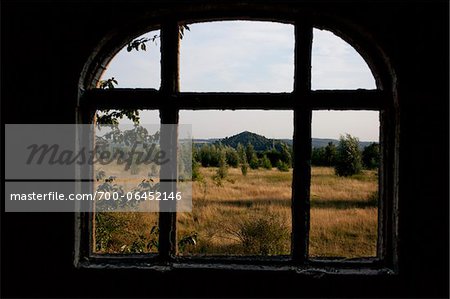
273	155
252	158
265	162
371	156
330	154
222	170
232	156
282	166
242	159
286	156
209	155
318	156
348	159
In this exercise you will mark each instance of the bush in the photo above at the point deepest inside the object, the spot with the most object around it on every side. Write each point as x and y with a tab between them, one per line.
318	156
371	156
244	168
282	166
267	235
232	157
348	159
252	158
196	175
324	156
222	171
265	162
273	155
242	159
286	155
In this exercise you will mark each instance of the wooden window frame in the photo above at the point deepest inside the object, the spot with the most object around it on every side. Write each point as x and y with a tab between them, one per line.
302	101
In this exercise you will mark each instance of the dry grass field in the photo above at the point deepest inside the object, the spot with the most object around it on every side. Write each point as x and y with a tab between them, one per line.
250	215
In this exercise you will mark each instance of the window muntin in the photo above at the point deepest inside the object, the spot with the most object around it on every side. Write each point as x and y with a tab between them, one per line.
341	100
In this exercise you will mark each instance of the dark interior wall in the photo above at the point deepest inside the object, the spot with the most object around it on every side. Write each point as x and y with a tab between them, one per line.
44	48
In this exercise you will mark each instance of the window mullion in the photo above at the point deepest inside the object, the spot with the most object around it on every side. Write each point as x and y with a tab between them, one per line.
302	143
170	42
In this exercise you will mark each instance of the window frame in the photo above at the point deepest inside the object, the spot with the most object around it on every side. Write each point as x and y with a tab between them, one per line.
302	101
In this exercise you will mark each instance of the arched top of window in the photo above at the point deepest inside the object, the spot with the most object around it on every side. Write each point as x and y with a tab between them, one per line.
240	56
137	64
337	65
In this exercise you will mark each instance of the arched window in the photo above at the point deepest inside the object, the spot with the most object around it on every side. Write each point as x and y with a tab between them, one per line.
300	92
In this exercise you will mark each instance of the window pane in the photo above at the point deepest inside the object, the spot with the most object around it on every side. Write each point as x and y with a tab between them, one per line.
242	184
337	65
344	184
137	68
237	56
126	232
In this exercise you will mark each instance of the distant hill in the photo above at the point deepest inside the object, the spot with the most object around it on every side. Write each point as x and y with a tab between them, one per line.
261	143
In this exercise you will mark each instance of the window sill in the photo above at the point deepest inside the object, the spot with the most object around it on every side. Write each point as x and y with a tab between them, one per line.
314	268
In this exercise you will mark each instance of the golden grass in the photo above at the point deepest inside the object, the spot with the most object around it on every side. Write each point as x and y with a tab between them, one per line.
343	212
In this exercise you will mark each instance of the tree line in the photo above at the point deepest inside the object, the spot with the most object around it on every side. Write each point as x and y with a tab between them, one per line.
245	157
347	158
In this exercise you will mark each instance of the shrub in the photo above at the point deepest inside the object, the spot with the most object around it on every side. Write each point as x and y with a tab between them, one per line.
265	162
242	159
318	156
282	166
268	235
252	158
286	155
232	157
196	175
371	156
222	171
244	168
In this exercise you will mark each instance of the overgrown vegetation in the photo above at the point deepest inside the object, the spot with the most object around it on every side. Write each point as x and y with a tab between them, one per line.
252	215
263	235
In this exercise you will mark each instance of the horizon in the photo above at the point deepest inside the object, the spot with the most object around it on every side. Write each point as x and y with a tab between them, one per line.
276	138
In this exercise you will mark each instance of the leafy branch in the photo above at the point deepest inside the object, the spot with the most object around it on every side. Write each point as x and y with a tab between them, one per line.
108	117
140	43
111	117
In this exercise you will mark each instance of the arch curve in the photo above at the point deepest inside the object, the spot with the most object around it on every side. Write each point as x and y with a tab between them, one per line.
146	20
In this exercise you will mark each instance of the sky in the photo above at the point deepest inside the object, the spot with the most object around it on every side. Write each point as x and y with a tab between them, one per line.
244	56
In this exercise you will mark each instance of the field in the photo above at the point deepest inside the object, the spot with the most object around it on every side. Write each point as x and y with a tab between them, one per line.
251	214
